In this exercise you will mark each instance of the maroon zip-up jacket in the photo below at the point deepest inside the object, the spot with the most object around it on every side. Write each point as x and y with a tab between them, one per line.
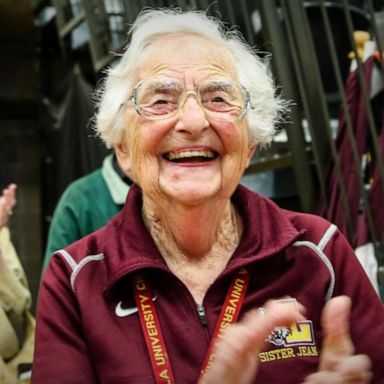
88	330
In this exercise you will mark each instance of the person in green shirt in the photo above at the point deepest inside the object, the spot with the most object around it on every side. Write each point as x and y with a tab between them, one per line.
86	205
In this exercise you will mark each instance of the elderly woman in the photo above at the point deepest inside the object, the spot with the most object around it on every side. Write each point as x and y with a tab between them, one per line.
149	297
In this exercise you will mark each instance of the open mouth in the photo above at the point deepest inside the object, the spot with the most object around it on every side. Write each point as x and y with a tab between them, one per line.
192	156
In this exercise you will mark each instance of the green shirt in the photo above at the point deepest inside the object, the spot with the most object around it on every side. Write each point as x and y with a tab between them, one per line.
86	205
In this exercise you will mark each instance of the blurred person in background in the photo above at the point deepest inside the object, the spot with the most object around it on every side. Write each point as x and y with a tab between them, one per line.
17	325
86	205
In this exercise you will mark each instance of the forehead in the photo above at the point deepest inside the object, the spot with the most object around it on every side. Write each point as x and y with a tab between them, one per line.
187	57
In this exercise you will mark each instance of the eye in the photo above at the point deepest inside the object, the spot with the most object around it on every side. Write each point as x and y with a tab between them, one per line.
217	99
160	102
162	99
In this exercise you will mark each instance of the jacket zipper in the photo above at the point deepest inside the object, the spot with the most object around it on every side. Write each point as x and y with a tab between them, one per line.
201	313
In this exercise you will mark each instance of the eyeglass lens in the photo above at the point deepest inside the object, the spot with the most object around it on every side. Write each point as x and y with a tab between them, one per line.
160	98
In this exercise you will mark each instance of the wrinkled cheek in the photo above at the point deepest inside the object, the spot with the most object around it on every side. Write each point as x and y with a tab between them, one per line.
237	158
232	172
147	171
239	147
244	147
145	142
142	168
234	135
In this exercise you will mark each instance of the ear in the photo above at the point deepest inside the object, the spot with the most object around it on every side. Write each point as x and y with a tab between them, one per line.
251	152
124	159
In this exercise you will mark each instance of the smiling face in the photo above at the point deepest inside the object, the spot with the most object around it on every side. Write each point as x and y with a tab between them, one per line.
189	157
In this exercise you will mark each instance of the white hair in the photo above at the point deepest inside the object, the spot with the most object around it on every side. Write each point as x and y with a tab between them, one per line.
151	24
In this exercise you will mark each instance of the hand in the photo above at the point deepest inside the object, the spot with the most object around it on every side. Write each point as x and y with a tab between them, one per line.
338	364
236	352
7	202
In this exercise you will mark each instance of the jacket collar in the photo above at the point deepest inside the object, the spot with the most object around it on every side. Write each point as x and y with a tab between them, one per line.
117	185
130	248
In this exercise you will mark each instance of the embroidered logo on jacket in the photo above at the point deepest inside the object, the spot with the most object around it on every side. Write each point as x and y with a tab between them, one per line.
295	341
123	312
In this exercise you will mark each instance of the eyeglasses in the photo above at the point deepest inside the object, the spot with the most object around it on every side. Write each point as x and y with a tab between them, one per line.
162	98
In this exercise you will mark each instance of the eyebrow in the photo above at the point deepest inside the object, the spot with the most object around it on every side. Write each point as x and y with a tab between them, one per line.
217	85
164	85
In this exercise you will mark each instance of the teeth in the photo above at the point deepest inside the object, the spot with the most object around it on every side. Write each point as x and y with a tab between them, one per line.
184	154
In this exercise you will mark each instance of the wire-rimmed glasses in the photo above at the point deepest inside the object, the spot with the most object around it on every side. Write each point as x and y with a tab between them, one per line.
162	98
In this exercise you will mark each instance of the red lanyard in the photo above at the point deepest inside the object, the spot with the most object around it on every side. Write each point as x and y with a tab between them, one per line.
152	330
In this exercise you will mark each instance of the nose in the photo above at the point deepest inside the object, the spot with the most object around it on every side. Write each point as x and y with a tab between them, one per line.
192	118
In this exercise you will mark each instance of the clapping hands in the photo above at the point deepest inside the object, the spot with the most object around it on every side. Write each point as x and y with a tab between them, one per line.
236	353
7	202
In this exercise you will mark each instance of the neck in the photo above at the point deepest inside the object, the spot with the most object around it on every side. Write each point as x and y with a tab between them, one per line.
192	232
196	243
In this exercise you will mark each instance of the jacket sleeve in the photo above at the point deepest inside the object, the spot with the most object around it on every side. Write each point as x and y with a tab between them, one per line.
61	354
367	316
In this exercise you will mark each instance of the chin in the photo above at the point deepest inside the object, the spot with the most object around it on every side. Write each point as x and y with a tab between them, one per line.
190	195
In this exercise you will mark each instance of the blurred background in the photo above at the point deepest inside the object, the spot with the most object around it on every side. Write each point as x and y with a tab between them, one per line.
54	53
